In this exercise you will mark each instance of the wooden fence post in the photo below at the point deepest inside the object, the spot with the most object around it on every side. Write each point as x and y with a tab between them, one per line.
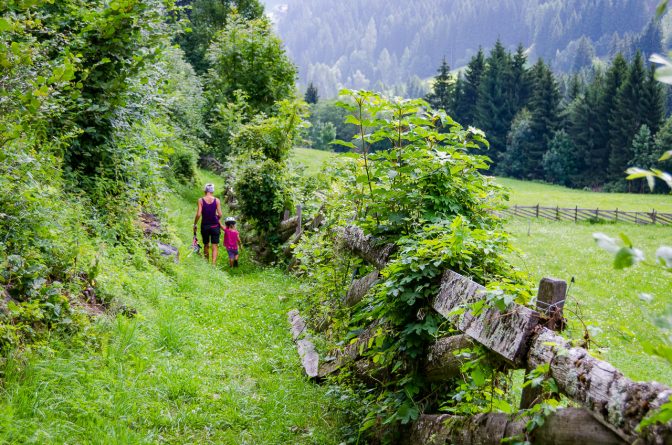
576	213
550	301
653	216
286	215
537	210
557	213
616	214
299	209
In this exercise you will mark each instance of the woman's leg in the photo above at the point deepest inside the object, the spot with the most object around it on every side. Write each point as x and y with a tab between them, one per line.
206	251
215	249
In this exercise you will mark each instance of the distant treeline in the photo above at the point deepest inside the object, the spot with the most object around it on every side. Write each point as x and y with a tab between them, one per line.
585	134
390	46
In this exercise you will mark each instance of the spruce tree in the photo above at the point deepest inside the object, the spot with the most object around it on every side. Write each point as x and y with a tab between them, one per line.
626	118
311	96
582	126
645	154
521	85
494	108
473	75
441	96
653	101
597	159
544	117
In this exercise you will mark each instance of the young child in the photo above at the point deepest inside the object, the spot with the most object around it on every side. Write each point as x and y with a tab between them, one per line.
232	241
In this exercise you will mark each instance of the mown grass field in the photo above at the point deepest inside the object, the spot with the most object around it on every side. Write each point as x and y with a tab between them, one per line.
207	360
312	159
533	193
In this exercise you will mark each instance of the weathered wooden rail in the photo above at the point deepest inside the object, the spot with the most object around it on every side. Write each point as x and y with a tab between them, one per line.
577	214
612	406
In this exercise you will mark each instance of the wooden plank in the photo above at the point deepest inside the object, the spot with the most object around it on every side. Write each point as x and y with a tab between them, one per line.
506	333
360	287
441	362
366	246
599	387
567	426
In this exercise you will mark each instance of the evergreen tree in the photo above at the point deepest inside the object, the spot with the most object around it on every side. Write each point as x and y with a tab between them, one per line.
494	107
597	158
626	118
653	101
520	80
441	96
583	118
513	162
311	96
544	117
469	93
645	154
560	161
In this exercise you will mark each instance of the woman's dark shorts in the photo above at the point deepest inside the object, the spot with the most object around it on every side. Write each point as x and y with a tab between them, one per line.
210	235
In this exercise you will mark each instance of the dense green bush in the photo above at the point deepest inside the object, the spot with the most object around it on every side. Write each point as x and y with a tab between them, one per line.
96	108
263	192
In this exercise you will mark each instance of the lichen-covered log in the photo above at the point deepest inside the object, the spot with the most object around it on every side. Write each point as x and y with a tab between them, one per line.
366	246
288	227
505	333
600	387
568	426
360	287
442	363
306	349
349	353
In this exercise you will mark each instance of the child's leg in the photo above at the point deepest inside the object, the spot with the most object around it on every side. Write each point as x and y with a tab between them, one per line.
235	261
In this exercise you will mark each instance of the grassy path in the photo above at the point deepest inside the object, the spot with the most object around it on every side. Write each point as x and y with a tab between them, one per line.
208	360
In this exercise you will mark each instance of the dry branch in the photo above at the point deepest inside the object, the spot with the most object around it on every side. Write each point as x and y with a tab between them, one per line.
568	426
366	246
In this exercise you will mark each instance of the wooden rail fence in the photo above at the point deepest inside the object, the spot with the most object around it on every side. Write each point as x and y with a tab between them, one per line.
612	406
577	214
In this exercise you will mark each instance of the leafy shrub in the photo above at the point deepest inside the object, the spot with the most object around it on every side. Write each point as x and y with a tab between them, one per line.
263	193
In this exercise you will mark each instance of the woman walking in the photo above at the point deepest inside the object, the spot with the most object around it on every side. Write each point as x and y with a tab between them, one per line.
210	209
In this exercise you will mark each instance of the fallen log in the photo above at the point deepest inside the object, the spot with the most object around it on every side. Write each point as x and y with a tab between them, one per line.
360	287
289	224
601	388
305	347
366	246
441	362
568	426
506	333
350	353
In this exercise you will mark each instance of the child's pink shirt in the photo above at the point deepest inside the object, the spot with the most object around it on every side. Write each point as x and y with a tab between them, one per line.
231	239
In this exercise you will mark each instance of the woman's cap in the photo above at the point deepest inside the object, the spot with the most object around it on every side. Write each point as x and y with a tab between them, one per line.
209	188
